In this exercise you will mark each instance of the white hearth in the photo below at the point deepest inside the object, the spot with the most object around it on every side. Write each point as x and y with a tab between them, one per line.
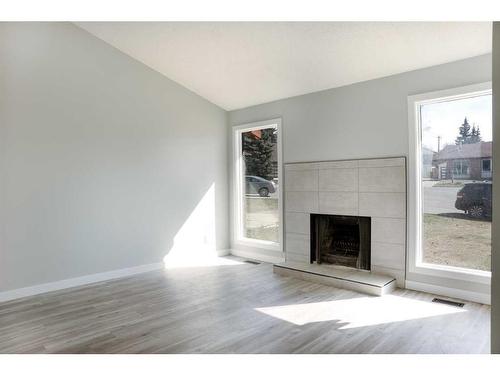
340	277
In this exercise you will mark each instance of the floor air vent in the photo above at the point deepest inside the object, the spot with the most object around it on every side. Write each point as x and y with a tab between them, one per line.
251	261
447	302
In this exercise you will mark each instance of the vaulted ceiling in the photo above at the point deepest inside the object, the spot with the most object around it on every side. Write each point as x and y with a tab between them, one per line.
237	65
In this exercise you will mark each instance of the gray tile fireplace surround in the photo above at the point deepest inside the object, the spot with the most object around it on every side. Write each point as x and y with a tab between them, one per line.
367	187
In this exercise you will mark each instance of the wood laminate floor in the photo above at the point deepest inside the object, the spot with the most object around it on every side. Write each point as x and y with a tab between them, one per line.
239	308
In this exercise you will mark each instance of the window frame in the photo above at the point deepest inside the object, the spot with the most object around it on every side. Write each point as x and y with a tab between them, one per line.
238	186
415	264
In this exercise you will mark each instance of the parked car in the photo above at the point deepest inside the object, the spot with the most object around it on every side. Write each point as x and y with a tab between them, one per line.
475	199
259	185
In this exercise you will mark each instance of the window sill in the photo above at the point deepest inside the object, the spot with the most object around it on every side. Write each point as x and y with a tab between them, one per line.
260	244
450	272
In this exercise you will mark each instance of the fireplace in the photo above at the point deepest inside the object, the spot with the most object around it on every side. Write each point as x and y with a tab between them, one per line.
341	240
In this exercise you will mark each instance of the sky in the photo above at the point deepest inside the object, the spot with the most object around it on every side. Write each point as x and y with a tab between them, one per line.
444	119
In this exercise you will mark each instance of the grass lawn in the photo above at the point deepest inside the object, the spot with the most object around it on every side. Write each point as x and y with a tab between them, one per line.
262	218
457	240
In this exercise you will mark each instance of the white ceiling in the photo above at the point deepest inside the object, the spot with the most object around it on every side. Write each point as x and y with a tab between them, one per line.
238	64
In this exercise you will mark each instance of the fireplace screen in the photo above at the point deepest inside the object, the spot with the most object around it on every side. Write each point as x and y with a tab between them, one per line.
341	240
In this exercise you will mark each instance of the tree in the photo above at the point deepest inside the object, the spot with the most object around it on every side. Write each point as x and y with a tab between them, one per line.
464	133
257	152
468	135
475	135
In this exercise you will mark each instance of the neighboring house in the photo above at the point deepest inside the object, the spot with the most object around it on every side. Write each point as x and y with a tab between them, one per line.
463	162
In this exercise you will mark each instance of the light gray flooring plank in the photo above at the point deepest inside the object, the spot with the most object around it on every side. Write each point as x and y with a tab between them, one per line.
214	310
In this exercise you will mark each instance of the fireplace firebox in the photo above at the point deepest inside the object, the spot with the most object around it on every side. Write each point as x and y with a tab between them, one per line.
341	240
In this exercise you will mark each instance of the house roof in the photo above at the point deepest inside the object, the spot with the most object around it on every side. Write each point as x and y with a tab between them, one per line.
465	151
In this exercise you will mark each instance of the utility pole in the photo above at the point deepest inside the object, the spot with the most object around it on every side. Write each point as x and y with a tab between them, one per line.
439	143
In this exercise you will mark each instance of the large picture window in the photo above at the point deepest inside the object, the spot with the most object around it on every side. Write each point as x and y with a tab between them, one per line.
451	183
257	180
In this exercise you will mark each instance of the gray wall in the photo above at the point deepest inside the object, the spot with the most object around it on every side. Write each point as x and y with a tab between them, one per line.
495	256
102	160
363	120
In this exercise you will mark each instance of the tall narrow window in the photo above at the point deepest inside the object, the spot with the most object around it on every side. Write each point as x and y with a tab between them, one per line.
453	183
258	203
486	168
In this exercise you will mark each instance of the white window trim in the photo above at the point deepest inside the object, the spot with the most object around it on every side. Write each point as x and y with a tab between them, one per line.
239	239
415	264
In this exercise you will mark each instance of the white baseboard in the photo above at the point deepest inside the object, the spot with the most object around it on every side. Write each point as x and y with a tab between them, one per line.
258	256
223	252
449	292
77	281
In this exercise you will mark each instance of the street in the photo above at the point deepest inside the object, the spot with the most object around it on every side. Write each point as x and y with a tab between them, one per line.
438	200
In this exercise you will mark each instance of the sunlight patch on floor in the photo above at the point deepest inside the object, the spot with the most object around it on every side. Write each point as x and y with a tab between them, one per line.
360	312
